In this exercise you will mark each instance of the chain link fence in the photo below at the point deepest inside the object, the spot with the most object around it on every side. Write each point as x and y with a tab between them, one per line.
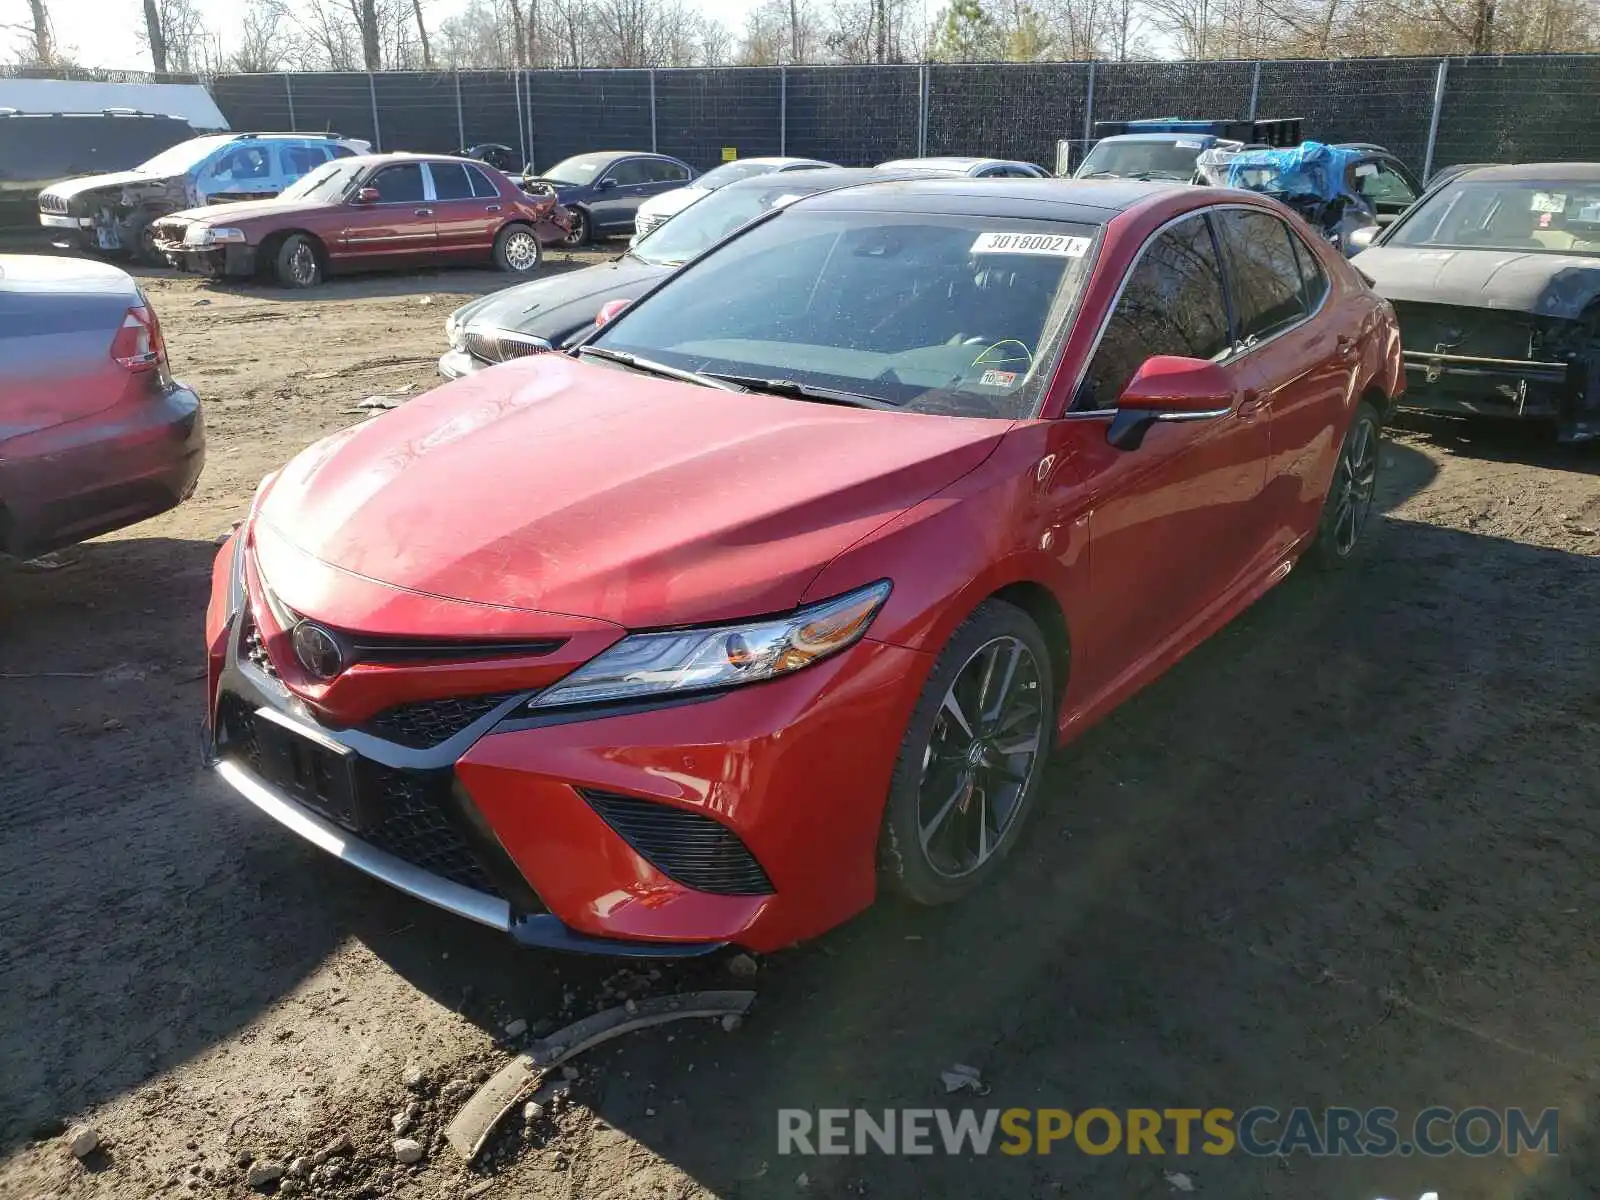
1432	112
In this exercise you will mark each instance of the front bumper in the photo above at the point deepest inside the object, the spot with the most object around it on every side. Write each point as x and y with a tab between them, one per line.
797	769
1567	393
233	260
456	364
72	232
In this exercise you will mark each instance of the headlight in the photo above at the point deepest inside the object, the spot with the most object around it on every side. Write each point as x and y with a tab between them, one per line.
212	235
455	333
693	660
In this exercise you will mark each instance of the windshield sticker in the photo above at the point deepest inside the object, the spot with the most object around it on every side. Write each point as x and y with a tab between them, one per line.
998	379
1366	169
1549	202
1188	144
1057	244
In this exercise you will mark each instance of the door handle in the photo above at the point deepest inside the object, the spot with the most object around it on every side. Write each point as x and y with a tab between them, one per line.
423	212
1347	346
1251	403
491	208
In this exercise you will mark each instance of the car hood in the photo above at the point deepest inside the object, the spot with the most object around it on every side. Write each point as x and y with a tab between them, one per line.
675	201
235	211
1552	285
552	308
557	486
68	188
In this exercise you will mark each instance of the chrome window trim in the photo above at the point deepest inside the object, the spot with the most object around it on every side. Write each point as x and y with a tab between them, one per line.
1236	351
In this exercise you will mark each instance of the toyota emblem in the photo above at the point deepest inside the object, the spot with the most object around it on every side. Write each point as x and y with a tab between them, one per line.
318	650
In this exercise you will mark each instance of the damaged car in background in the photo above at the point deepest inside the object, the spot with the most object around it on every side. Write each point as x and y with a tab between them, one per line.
1318	181
1495	276
115	214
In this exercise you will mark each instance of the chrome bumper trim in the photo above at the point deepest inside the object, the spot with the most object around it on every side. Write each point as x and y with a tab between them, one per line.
396	872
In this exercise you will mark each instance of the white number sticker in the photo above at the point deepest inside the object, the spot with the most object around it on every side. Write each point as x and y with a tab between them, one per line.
1057	244
1366	169
1550	202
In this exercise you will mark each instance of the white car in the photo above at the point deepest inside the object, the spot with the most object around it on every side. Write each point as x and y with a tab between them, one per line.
658	208
981	168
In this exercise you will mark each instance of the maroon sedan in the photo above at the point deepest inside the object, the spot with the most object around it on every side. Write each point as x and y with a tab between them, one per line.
94	432
369	212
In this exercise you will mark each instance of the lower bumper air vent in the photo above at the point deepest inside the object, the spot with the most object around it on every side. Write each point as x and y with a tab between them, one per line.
692	849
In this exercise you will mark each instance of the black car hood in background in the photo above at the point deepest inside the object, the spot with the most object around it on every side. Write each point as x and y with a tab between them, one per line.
1542	283
557	306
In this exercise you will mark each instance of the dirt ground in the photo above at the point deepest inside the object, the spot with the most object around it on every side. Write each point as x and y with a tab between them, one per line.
1347	853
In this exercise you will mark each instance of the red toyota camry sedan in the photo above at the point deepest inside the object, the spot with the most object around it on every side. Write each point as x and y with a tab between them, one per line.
781	587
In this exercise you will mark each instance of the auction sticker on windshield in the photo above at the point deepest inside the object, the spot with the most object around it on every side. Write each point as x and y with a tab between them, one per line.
1057	244
1549	202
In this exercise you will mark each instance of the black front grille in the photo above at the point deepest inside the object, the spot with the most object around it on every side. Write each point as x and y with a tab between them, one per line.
410	823
255	650
426	723
693	849
404	812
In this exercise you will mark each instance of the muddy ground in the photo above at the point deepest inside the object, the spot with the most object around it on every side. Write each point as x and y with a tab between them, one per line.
1347	853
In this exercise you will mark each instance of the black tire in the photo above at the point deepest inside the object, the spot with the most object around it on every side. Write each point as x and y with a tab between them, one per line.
581	231
1347	511
298	263
142	242
517	250
915	862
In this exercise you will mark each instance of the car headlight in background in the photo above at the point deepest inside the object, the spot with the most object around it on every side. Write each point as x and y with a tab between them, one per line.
692	660
455	332
212	235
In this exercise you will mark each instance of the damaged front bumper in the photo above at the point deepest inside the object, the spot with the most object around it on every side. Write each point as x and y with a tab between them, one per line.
232	260
1471	385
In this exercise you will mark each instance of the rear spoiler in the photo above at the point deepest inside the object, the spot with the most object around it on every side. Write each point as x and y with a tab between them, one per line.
1282	131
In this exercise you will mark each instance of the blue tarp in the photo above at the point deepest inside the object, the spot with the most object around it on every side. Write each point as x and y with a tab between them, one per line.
1309	169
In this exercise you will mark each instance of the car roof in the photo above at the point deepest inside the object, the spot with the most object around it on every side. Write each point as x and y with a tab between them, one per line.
952	162
771	160
823	178
1083	201
622	154
407	156
1577	172
1161	136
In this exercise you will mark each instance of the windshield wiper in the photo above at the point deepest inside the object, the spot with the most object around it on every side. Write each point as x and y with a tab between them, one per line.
651	367
799	391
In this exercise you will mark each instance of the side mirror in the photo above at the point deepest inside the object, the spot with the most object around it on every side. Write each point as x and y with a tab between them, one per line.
1169	388
605	185
368	195
610	309
1360	239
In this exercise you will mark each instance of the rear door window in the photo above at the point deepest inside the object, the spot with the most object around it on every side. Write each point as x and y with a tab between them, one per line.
1172	303
481	184
1263	272
400	184
630	172
450	181
658	171
301	160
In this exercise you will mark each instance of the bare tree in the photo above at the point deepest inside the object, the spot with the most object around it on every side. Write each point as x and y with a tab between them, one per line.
265	38
422	33
41	49
158	41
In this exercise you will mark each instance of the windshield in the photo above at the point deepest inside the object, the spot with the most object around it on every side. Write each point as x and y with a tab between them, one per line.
929	313
707	221
328	182
578	170
1552	216
729	172
182	158
1142	160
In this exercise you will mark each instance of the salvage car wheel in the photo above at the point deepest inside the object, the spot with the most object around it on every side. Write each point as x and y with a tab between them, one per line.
297	264
516	249
973	758
578	235
1348	508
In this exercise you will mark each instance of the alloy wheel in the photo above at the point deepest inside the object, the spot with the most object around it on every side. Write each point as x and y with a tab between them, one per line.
579	233
981	756
303	265
1354	482
522	251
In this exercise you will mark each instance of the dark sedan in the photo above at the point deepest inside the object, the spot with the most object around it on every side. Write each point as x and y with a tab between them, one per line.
604	188
1495	276
94	432
547	313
